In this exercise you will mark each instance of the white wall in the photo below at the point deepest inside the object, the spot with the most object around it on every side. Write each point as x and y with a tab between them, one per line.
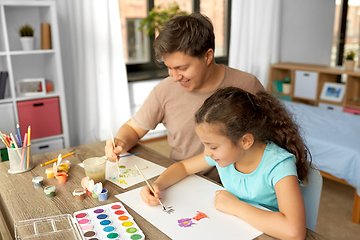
307	31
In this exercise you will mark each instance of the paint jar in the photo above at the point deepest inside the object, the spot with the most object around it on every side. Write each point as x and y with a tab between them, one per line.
49	173
63	167
79	194
95	169
49	191
103	196
61	177
38	181
67	162
20	159
94	195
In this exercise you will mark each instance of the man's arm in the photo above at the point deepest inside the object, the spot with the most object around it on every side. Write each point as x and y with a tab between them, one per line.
126	138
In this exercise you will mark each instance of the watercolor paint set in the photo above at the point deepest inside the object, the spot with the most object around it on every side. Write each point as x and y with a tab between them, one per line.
106	222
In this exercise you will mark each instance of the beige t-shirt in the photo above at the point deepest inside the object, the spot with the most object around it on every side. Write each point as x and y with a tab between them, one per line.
170	104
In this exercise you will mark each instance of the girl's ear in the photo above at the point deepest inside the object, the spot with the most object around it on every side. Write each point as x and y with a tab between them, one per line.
247	141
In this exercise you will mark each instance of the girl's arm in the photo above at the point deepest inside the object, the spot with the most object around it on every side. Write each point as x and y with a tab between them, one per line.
288	223
172	175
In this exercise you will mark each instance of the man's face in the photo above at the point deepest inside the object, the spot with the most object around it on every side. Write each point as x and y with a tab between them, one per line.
188	71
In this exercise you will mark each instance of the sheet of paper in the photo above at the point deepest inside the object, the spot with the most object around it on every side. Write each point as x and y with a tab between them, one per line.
128	173
192	200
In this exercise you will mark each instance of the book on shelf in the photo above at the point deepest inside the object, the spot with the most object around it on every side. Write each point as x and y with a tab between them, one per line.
45	36
3	78
277	86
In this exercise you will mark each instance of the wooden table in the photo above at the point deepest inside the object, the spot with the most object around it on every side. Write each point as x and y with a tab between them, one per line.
19	200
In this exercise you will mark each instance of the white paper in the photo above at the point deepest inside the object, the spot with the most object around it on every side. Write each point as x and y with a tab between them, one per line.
129	175
187	197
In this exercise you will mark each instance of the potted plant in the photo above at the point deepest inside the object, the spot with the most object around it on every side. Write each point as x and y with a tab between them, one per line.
158	16
26	33
349	61
286	86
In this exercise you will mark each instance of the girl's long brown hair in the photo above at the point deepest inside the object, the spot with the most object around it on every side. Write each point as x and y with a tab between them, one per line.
238	112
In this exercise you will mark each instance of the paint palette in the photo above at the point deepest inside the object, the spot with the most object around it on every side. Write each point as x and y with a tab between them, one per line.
106	222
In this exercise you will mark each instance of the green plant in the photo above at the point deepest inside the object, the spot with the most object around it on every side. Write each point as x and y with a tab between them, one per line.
26	31
287	80
158	16
350	55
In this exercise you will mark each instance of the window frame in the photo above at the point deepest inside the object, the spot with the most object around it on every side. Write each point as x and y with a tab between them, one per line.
342	33
151	70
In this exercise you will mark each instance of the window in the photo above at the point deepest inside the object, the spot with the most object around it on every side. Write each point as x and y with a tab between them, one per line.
346	30
138	51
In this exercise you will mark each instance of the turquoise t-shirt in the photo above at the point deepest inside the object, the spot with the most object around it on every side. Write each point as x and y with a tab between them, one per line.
258	187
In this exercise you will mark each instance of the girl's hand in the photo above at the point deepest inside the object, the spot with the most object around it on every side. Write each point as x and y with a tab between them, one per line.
148	197
226	202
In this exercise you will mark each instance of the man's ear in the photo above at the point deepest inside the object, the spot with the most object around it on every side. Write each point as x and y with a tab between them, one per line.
247	141
209	56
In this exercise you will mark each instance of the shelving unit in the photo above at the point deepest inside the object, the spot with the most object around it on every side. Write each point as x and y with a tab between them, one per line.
37	63
317	75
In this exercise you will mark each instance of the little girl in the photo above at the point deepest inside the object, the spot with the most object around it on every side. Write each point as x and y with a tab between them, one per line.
260	157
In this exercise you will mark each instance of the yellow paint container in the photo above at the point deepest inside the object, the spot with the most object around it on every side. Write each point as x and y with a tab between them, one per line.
50	173
63	167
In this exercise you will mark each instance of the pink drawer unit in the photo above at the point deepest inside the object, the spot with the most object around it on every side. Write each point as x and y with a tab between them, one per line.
352	111
43	115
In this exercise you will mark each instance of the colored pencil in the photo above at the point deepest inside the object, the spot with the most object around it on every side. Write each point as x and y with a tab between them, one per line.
4	141
28	144
128	155
54	160
153	191
117	160
18	156
18	130
14	140
23	153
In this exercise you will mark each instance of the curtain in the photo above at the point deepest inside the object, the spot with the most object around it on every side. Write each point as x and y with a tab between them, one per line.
255	36
94	68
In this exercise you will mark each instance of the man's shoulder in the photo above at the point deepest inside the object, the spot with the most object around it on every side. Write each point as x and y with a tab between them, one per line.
232	72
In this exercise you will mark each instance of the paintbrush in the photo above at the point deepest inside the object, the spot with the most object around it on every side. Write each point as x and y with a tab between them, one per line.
153	191
117	160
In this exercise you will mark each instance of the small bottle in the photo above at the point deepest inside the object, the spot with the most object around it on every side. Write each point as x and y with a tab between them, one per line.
50	173
79	193
38	181
61	177
50	191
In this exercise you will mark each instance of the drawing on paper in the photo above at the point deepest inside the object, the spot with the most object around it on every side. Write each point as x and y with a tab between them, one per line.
168	209
126	175
187	222
200	215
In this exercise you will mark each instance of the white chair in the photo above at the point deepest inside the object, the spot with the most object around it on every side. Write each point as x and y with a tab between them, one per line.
311	196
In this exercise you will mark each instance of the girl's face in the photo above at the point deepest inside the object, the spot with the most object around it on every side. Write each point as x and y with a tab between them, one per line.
217	146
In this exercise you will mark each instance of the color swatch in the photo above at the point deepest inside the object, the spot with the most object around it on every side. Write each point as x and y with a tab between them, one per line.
110	221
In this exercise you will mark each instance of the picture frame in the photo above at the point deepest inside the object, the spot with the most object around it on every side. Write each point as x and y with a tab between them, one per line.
31	87
333	92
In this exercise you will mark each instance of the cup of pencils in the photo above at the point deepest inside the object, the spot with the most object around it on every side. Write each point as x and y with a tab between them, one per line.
20	159
18	151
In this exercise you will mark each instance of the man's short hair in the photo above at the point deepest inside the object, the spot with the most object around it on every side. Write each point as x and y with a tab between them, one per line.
192	34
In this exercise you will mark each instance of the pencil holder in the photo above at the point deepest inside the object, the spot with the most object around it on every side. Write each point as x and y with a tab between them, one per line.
20	159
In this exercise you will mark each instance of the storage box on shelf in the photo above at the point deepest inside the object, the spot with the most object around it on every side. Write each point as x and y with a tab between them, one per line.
308	81
43	110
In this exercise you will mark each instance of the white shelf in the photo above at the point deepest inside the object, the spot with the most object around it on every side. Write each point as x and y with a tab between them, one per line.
37	63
